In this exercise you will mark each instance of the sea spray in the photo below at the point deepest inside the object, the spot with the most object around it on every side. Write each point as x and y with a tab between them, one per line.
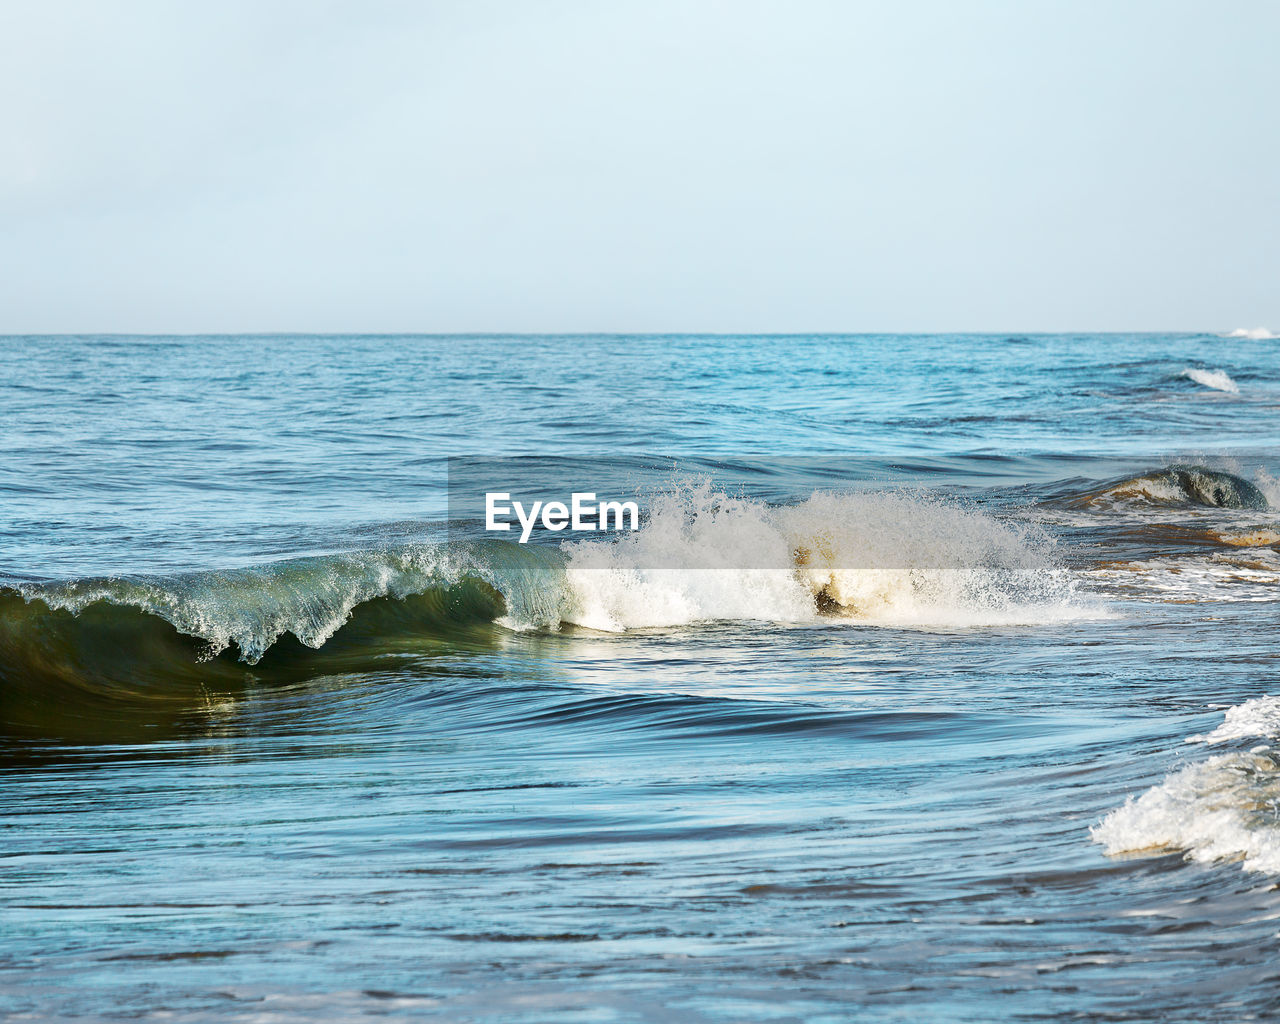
889	558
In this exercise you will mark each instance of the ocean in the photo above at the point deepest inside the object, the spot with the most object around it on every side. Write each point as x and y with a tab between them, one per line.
934	684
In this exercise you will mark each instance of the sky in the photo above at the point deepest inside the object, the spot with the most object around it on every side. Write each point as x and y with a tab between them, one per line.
550	166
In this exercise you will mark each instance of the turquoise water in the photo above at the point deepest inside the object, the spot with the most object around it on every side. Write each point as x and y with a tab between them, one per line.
282	742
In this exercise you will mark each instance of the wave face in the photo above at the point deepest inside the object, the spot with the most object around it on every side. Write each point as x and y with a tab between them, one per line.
1177	486
1226	808
1217	380
310	599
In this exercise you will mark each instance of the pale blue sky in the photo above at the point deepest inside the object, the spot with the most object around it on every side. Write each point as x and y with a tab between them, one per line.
659	166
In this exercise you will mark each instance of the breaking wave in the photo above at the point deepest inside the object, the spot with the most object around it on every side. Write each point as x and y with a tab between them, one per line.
1225	808
885	559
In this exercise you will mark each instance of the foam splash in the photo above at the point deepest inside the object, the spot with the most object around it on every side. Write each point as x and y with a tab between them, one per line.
891	559
1225	808
1218	380
1269	486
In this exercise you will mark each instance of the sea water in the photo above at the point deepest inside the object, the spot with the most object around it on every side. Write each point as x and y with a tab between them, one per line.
955	706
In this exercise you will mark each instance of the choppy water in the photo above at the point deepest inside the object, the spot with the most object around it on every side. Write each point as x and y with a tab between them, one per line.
979	730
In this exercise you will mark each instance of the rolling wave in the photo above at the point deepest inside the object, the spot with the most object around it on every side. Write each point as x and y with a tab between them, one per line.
896	559
1181	534
1175	486
878	559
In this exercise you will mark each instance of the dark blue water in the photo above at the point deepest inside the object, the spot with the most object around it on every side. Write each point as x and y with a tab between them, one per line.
280	742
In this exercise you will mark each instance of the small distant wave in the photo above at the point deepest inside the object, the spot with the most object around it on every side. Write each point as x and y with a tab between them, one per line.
1226	808
1252	333
1176	486
1218	380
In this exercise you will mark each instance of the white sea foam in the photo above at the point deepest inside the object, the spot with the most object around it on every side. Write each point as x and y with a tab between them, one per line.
1218	380
1224	808
1245	574
1257	717
1220	809
892	559
1253	333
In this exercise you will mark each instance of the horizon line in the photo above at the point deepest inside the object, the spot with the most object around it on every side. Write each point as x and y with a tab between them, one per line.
625	334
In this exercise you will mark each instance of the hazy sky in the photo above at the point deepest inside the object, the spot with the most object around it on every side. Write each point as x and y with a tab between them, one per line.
646	166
